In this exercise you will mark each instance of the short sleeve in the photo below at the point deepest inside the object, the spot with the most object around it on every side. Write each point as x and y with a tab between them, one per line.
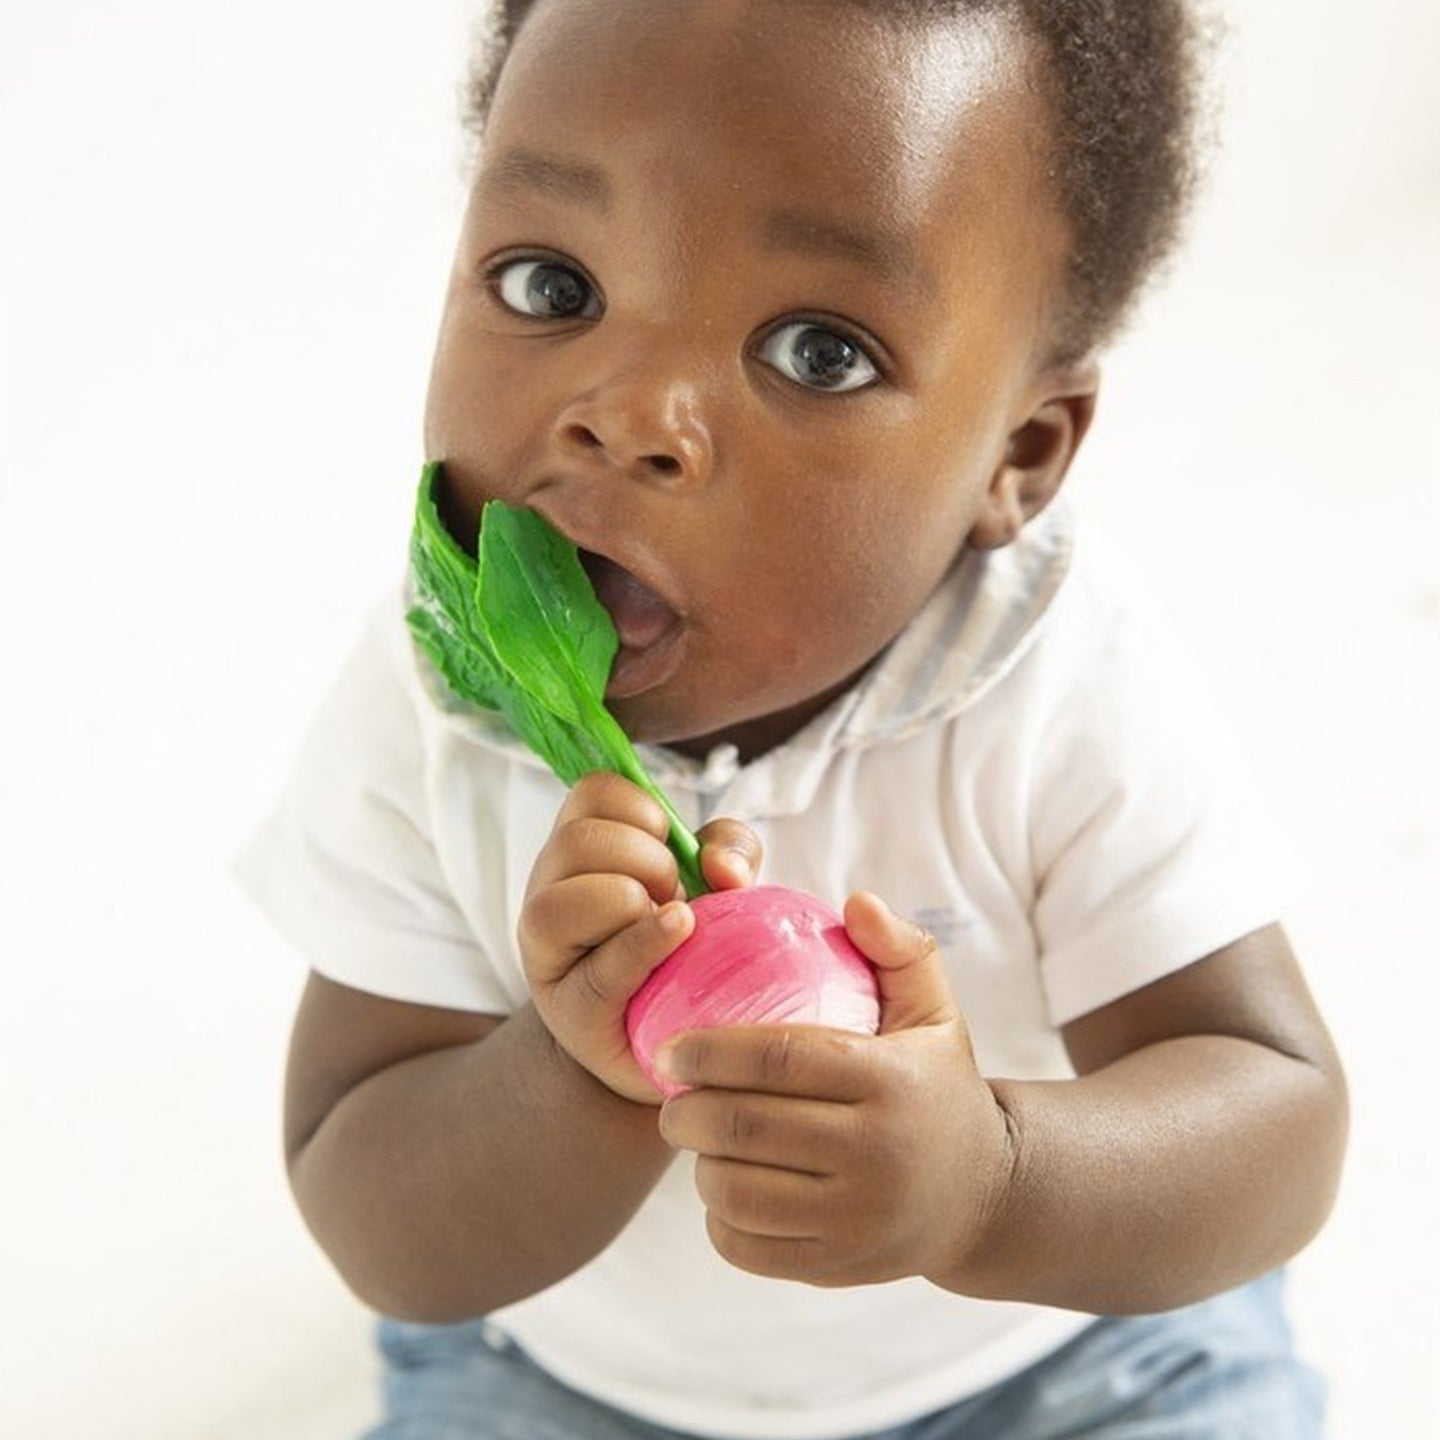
1151	844
346	867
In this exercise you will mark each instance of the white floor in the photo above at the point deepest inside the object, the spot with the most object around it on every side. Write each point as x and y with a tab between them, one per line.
224	258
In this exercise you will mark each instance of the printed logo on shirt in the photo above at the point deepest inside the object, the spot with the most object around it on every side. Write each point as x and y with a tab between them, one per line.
944	922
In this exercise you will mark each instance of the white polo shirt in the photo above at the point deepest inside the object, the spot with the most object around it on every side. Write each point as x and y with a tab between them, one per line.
1033	772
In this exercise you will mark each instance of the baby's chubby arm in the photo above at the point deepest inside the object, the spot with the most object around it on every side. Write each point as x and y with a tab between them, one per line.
450	1163
1199	1147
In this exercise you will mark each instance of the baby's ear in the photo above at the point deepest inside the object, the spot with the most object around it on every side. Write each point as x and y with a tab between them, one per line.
1038	452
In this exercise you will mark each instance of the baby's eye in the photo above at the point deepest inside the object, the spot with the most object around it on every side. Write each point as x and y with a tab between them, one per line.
545	289
818	358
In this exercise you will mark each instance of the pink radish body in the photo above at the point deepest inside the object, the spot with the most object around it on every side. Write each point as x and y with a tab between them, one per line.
767	955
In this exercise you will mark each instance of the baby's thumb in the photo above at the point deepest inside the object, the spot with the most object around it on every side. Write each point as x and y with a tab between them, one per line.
730	854
913	988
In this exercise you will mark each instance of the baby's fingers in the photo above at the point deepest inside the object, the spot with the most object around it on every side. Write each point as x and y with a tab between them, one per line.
607	826
588	846
913	987
605	978
560	922
605	796
730	854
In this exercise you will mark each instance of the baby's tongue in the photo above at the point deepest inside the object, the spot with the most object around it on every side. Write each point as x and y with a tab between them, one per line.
639	615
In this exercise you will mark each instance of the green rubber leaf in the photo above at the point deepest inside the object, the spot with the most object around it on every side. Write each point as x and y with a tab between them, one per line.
543	620
519	630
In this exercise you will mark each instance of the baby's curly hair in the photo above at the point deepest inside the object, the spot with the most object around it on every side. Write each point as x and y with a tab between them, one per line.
1124	86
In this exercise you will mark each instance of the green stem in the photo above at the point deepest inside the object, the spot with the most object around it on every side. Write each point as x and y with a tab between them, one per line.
683	846
681	840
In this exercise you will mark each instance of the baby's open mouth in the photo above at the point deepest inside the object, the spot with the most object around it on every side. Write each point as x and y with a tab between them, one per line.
645	623
640	616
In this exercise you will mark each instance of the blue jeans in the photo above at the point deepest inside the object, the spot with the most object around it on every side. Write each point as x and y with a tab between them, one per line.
1220	1370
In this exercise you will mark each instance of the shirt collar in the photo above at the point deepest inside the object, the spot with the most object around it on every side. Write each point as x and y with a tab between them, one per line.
968	636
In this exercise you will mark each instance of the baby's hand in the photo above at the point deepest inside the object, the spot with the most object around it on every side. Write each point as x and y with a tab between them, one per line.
603	908
842	1159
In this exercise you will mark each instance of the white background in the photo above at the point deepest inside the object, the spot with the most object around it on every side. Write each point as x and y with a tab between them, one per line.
227	229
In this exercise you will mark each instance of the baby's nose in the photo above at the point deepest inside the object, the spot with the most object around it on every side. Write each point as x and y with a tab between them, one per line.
648	426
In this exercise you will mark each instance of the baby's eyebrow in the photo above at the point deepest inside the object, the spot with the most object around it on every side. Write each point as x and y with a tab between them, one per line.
799	232
805	233
571	180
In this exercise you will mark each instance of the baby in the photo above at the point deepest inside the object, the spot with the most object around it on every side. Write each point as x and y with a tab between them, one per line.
786	312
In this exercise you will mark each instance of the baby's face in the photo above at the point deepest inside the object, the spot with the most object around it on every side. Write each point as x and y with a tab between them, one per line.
751	301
